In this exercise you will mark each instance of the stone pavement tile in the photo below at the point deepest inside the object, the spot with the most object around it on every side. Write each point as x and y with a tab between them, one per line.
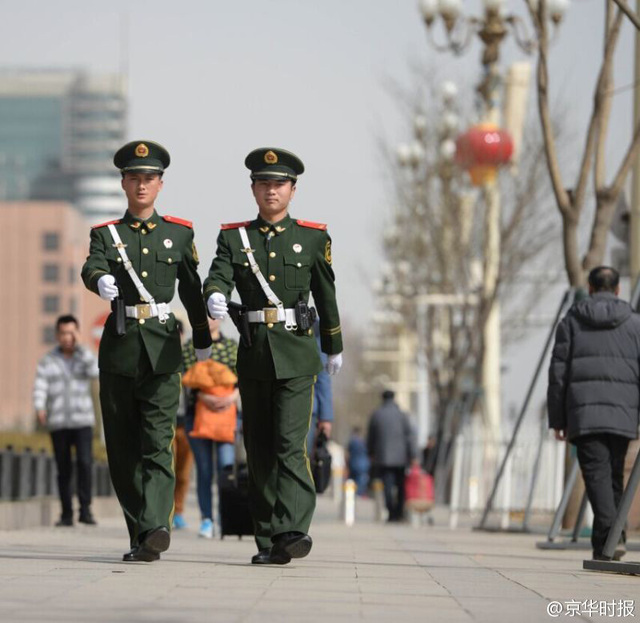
506	610
287	594
305	609
438	612
428	587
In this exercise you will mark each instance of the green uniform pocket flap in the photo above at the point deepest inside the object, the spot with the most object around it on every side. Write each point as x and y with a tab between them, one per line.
240	258
297	260
169	256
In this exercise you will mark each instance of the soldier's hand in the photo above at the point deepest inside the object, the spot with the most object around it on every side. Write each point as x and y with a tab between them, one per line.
107	287
334	363
42	417
217	305
202	354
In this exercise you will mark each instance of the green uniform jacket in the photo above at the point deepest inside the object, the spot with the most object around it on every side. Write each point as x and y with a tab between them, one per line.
161	250
295	258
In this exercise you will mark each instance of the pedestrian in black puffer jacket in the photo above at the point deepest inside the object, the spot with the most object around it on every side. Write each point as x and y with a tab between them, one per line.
593	396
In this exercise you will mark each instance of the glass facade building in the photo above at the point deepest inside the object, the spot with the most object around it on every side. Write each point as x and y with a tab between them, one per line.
59	130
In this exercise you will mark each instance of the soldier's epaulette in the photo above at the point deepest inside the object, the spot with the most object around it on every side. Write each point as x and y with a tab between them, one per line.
235	225
105	224
177	221
312	225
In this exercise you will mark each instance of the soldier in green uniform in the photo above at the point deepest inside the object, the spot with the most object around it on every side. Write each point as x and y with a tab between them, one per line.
275	263
138	259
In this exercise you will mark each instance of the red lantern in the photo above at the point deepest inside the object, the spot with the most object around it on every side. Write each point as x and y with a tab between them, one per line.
481	150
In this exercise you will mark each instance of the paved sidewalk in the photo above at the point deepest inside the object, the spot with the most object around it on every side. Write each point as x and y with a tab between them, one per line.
367	572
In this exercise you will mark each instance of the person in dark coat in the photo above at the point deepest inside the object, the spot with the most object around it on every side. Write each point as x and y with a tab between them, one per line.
392	448
594	394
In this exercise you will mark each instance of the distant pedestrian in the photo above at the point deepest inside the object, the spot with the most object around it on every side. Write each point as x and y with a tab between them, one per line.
182	453
358	460
594	394
322	412
63	403
392	448
210	456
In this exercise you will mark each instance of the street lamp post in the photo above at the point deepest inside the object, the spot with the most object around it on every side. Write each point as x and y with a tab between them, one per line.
491	28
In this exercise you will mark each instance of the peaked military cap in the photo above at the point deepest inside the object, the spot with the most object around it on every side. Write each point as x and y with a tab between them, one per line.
272	163
142	157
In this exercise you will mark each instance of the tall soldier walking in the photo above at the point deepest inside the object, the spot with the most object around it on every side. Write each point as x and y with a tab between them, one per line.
275	262
137	259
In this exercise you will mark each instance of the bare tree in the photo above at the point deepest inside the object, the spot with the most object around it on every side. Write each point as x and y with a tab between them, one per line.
433	245
571	201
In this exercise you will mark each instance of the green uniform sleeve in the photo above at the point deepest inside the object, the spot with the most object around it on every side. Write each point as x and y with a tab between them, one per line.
324	295
96	265
220	277
190	293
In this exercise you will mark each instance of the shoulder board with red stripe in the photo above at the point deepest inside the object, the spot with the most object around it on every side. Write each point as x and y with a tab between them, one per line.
235	225
177	221
105	224
312	225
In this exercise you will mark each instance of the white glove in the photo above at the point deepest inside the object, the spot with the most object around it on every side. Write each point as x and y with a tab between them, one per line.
217	305
203	354
107	287
334	363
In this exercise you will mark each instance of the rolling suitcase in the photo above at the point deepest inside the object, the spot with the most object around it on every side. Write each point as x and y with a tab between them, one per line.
233	495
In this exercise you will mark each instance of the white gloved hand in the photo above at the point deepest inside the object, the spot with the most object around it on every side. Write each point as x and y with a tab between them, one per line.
334	363
203	354
217	305
107	287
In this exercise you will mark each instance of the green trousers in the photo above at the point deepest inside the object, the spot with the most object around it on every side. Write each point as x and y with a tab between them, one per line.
275	418
139	416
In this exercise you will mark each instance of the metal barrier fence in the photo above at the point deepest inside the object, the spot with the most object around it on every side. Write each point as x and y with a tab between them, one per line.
28	474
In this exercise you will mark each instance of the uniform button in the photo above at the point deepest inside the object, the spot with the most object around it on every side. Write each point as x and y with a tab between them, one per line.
143	231
145	250
272	254
298	264
119	259
270	325
310	331
246	263
141	321
169	260
142	300
272	277
144	273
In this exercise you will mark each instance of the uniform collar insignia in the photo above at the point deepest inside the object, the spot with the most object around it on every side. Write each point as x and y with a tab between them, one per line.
135	225
264	229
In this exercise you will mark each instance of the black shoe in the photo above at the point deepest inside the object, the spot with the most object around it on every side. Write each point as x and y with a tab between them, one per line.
156	540
139	554
263	557
620	551
64	522
290	545
87	518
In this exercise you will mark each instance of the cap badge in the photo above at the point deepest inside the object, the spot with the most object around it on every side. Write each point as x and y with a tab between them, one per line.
168	243
142	151
297	247
270	157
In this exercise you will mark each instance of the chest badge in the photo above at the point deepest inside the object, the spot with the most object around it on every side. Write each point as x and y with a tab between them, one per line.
297	248
168	243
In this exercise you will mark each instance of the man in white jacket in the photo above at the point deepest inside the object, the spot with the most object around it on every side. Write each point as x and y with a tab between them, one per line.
63	403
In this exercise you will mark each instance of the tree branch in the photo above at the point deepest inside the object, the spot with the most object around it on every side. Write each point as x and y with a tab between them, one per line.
626	9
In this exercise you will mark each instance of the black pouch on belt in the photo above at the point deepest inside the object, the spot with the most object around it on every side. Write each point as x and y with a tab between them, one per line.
305	315
240	317
117	307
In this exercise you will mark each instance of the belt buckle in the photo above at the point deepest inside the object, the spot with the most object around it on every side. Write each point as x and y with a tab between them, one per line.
270	314
144	310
